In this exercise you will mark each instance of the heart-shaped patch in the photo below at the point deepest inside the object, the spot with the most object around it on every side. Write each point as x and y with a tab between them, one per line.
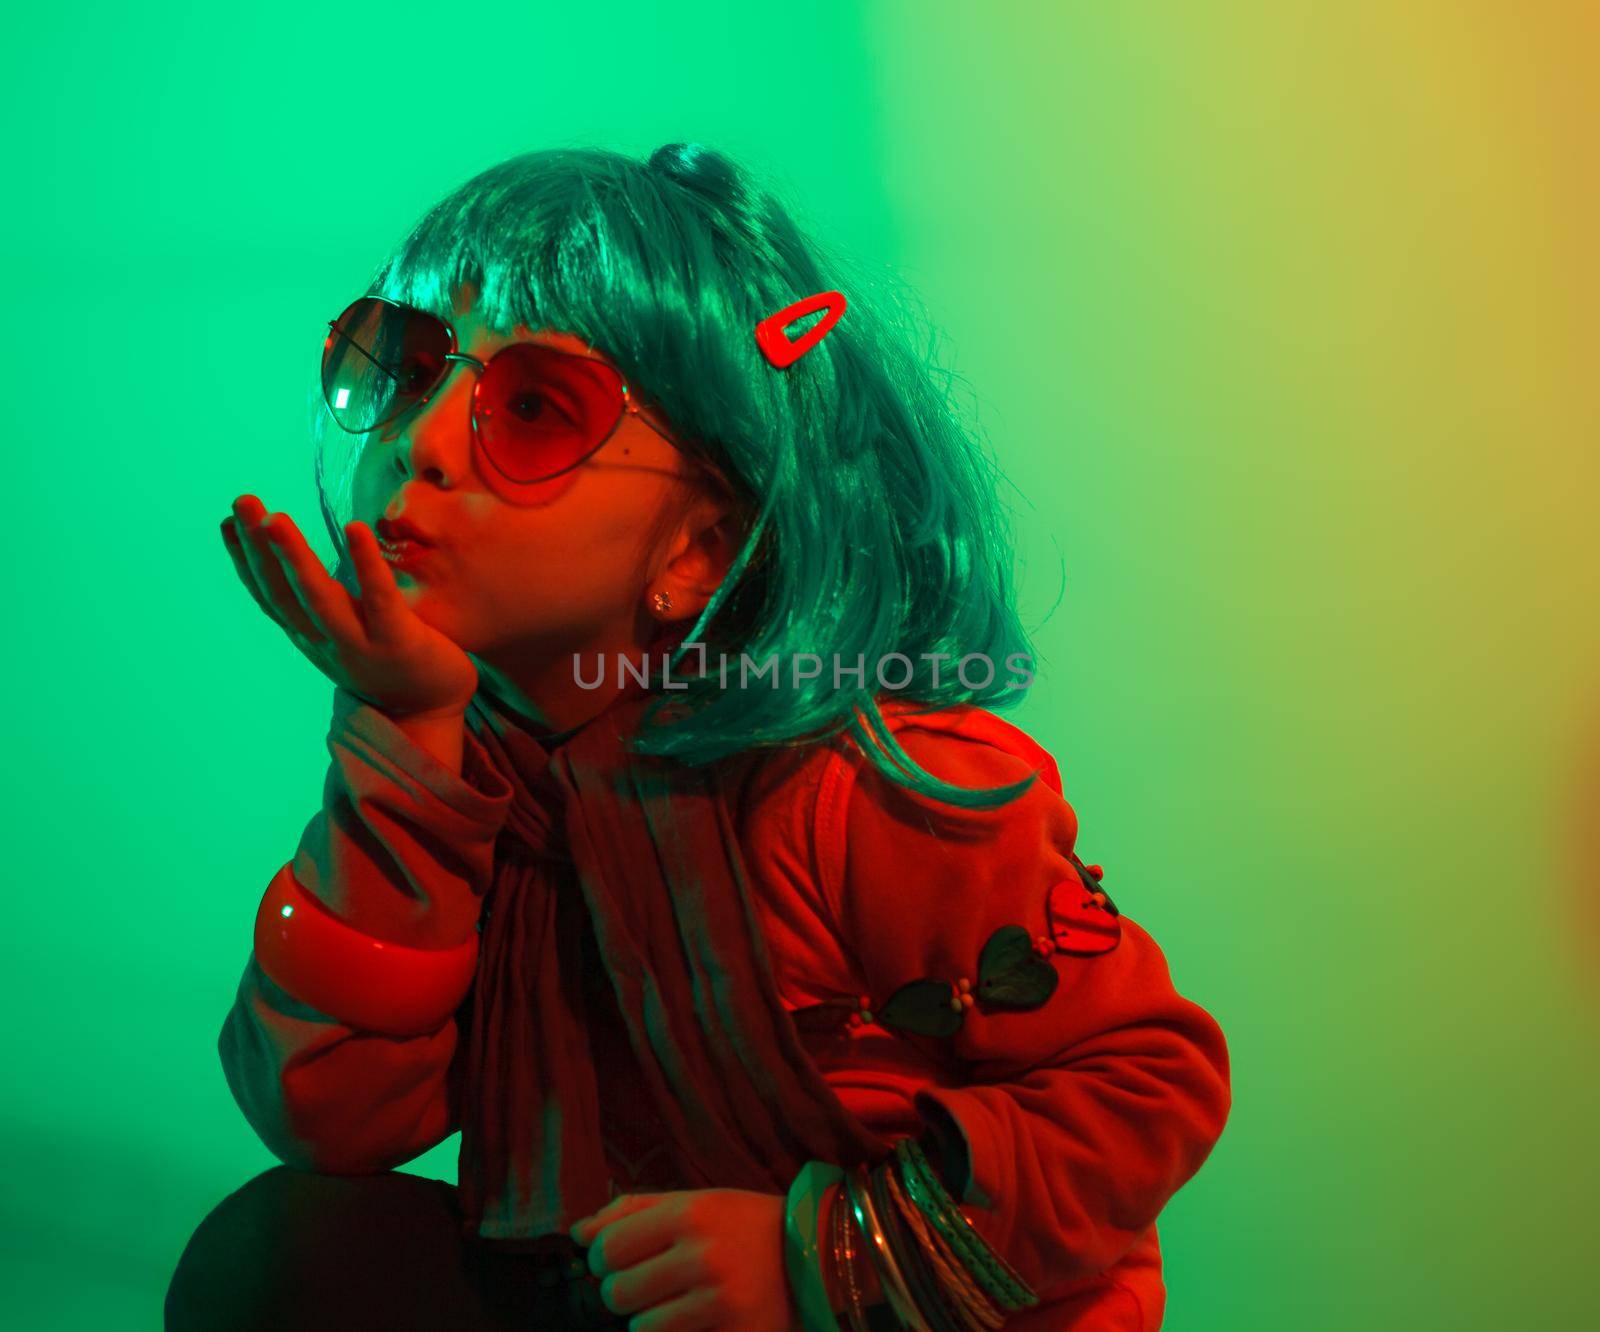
1011	974
922	1006
1082	919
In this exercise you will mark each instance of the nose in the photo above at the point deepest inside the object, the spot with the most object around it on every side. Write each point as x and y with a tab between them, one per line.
435	440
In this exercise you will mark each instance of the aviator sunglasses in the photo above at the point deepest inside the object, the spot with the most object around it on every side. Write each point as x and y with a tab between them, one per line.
537	412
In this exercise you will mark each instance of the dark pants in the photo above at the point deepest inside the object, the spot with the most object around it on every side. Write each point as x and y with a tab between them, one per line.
361	1253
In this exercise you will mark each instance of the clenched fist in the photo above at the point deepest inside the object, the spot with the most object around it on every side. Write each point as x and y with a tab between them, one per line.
691	1261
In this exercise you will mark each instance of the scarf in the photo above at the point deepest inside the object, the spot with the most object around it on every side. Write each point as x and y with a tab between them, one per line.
642	851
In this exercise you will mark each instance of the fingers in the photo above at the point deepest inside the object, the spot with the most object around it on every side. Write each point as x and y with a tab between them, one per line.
241	565
327	605
267	571
635	1226
666	1282
382	602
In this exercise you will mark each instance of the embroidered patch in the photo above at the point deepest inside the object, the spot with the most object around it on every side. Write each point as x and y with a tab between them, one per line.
1095	873
1009	973
1083	919
1014	971
927	1007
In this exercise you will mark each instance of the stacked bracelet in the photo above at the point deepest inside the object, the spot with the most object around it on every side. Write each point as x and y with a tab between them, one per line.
920	1277
973	1308
998	1279
937	1273
883	1258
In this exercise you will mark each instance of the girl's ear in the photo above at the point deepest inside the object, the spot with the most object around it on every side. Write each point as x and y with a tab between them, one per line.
726	536
709	541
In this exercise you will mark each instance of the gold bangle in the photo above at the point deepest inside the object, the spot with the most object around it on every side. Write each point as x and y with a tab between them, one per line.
894	1286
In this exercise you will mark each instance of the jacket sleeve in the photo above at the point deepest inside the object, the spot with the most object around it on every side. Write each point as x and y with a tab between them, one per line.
402	850
1081	1114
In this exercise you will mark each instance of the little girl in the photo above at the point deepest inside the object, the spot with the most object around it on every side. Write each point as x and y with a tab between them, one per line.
670	850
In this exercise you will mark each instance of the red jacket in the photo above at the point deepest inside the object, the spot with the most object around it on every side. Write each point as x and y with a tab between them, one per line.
1081	1114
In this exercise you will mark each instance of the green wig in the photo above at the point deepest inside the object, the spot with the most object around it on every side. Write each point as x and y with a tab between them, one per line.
872	514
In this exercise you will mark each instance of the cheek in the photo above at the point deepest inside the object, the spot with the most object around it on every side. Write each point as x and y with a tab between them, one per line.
536	497
368	497
589	574
595	534
577	566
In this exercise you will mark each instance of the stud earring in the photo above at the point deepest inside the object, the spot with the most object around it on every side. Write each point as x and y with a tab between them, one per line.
662	601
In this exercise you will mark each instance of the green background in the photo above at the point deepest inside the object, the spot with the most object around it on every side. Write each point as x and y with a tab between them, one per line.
1280	316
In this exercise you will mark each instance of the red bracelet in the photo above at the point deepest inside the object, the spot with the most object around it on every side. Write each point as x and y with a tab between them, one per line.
366	983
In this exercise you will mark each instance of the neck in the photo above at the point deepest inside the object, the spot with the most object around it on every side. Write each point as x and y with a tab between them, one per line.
542	689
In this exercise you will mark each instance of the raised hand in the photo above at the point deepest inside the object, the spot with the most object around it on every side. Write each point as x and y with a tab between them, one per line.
374	645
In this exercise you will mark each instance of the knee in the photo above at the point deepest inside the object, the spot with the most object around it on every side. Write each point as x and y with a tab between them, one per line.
290	1242
245	1253
235	1259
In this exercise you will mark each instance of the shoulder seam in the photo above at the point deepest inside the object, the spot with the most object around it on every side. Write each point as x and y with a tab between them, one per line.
980	725
830	817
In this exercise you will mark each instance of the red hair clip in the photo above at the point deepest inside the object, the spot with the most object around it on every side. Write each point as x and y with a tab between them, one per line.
775	344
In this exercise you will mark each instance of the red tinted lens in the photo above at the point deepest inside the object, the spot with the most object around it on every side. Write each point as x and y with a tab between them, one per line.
379	359
542	412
